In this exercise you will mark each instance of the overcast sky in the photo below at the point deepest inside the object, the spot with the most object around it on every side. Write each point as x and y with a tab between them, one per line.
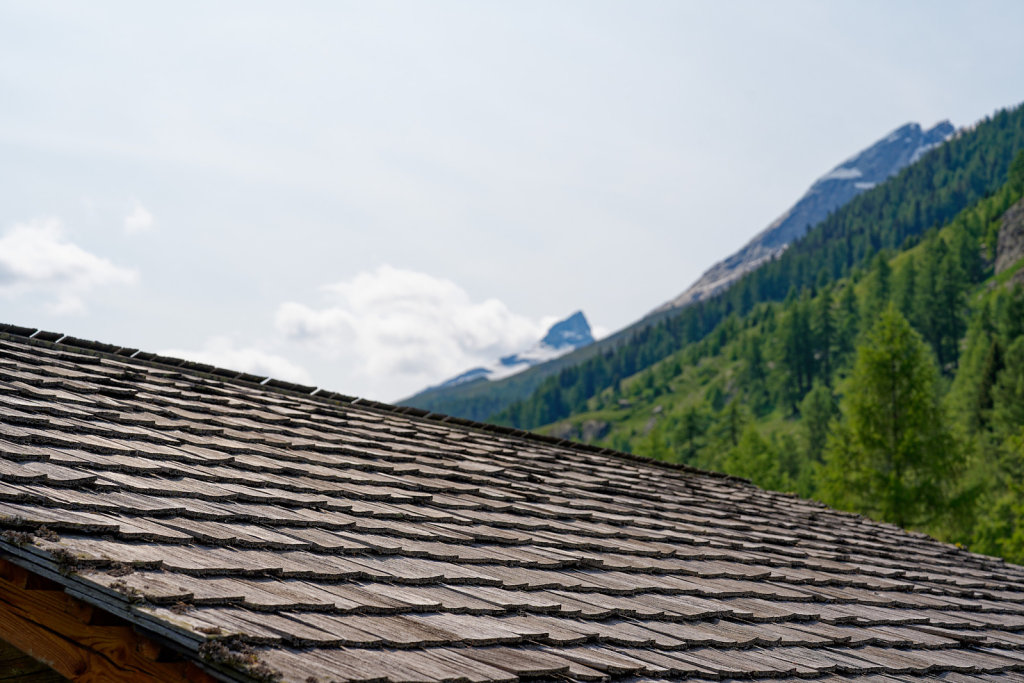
374	196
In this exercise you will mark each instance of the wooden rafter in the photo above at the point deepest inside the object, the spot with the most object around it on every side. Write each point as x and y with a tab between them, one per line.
78	641
18	667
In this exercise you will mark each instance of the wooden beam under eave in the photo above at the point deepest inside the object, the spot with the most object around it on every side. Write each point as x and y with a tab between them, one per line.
79	641
18	667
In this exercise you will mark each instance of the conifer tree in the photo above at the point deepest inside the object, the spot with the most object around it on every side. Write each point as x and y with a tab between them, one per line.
730	423
754	374
926	314
892	456
847	322
756	459
824	334
879	286
689	434
1007	400
818	410
952	294
1015	175
905	287
797	350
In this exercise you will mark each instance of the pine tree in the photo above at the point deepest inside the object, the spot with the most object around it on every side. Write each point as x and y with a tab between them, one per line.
926	314
689	435
952	293
824	334
847	322
818	410
756	459
905	291
754	374
1015	176
1000	528
879	286
892	456
1007	401
730	423
797	350
981	414
982	358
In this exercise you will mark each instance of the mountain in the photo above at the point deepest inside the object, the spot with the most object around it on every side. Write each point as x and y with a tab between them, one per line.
861	172
924	194
573	332
896	214
477	400
886	340
563	337
794	392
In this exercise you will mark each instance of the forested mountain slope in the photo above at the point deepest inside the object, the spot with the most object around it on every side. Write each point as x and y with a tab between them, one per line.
480	400
927	194
895	389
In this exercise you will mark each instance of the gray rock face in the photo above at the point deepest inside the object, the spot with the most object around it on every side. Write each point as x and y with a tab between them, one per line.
1010	245
588	432
861	172
592	430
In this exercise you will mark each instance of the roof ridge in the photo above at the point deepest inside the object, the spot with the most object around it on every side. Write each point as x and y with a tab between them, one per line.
56	340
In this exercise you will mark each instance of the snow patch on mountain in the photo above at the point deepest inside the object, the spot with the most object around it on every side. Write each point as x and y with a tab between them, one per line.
842	173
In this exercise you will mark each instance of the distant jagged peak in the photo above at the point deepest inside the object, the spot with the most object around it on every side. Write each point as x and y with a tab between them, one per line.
574	331
564	336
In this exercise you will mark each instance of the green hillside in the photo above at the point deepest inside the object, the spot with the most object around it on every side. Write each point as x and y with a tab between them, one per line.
925	195
895	389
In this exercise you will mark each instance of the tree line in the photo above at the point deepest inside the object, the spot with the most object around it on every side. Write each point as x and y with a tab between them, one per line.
893	215
892	385
897	391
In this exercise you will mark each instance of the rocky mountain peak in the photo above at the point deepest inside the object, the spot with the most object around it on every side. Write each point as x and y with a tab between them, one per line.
561	338
861	172
574	331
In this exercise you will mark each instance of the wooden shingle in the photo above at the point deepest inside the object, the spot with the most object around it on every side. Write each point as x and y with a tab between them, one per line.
252	532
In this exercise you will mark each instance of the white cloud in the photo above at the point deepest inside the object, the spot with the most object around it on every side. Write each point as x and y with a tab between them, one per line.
405	329
37	257
139	219
222	352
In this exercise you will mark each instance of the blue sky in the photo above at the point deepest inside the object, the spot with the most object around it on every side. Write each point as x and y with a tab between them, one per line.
375	196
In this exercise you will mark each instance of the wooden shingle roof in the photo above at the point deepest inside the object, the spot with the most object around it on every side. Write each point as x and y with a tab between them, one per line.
258	532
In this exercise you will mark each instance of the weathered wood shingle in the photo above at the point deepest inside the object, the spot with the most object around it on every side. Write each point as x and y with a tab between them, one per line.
263	531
